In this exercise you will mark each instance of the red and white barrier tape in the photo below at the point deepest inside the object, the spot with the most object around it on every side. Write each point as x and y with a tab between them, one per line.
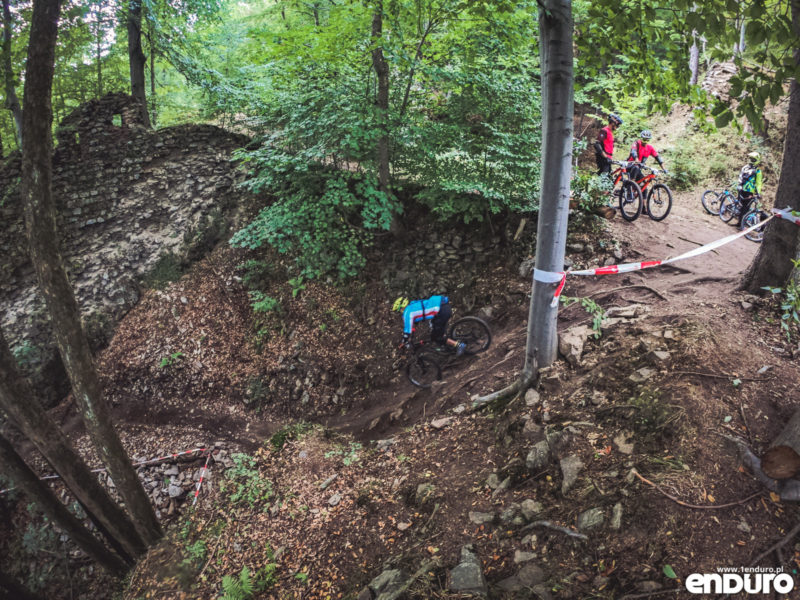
200	481
787	214
136	464
560	277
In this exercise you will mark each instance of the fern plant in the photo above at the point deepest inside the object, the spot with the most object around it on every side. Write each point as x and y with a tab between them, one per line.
238	588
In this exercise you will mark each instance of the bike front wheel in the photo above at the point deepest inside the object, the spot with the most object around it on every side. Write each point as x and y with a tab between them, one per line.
711	201
423	370
630	200
659	202
473	332
727	209
754	217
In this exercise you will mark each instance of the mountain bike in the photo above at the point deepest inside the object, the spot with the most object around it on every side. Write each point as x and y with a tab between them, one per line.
428	359
712	200
658	197
629	193
753	217
732	206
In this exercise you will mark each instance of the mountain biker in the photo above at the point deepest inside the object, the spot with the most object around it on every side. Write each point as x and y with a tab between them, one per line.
640	152
604	145
750	181
437	310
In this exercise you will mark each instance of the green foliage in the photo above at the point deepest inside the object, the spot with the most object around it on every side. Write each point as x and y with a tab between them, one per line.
40	544
261	303
289	432
349	456
167	269
27	354
592	308
257	274
590	191
196	553
789	304
247	484
238	588
462	117
653	415
170	360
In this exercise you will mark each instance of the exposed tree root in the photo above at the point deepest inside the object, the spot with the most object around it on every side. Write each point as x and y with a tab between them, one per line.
549	525
697	506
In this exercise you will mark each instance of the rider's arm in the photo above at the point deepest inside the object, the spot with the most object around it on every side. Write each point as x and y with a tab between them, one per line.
759	181
634	155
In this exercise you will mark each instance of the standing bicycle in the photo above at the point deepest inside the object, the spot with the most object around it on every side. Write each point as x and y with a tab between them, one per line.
658	196
628	194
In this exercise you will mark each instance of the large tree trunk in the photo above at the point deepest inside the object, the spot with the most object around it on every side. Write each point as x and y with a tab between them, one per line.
12	102
382	100
772	265
136	58
18	400
555	48
40	219
21	474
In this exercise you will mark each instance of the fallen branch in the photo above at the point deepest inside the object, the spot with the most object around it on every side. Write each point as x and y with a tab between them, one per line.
780	544
697	506
693	242
615	407
549	525
628	287
715	376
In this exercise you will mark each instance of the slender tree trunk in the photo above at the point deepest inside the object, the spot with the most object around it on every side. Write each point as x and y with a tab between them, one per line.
555	47
54	285
99	49
417	58
12	102
772	265
694	60
154	111
11	590
136	58
19	401
21	474
382	99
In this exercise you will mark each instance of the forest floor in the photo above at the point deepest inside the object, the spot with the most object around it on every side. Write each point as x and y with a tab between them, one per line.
404	477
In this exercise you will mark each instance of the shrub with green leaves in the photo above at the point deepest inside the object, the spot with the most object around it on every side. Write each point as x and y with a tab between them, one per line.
245	482
590	191
463	123
789	299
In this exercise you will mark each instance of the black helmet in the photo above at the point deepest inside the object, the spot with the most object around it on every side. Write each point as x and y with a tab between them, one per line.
615	119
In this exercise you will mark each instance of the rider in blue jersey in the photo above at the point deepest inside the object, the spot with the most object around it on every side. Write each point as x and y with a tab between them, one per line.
437	310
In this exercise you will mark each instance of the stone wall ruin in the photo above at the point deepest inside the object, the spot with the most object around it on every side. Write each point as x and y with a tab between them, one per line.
126	197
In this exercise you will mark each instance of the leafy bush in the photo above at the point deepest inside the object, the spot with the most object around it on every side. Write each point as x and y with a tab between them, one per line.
248	485
261	303
789	304
463	122
590	191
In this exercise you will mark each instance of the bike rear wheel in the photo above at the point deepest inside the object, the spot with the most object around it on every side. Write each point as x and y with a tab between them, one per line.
754	217
659	202
727	208
423	370
474	332
711	202
630	200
